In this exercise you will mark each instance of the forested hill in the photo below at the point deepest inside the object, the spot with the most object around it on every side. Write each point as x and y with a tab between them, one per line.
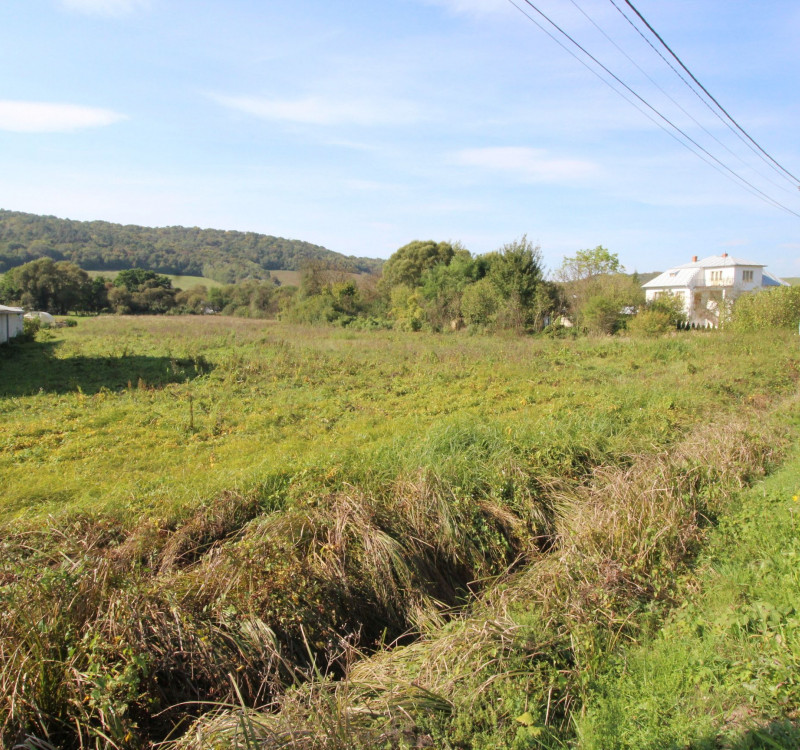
225	256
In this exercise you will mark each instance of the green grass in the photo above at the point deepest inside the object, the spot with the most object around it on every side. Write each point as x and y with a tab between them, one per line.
267	494
213	405
723	671
178	282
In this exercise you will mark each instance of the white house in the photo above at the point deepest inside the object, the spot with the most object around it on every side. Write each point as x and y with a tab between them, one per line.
10	322
704	285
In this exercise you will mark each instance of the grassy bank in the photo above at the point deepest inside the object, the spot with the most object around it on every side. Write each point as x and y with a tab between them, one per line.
723	671
284	502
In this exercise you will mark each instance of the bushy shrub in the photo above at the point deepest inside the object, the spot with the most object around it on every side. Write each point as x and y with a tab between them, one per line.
670	305
602	315
771	308
650	323
480	303
30	327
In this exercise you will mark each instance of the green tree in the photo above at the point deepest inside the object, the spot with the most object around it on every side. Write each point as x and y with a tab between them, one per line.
407	264
596	273
134	279
586	264
52	286
516	273
443	286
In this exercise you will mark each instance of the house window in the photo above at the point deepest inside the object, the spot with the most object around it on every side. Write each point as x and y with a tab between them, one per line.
747	276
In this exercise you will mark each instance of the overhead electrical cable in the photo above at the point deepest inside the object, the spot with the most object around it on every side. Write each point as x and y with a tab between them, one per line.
708	94
671	98
688	84
714	110
733	175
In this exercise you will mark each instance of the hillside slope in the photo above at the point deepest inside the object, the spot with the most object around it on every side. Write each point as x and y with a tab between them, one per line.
224	256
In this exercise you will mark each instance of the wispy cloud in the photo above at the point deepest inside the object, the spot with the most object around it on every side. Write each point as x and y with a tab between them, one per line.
319	110
470	7
43	117
370	186
528	164
104	7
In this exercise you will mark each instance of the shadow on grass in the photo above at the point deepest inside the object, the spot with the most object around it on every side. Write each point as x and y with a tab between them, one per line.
777	735
29	367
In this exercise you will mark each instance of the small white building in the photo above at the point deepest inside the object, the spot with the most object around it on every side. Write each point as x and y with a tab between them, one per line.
705	285
45	318
10	322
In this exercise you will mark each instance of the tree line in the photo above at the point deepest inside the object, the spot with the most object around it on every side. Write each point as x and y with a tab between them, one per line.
425	285
429	285
225	256
61	287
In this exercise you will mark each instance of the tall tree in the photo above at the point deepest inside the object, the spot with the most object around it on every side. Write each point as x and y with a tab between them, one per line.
516	272
407	264
595	284
52	286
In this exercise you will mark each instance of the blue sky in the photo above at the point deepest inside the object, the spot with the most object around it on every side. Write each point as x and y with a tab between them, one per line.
362	125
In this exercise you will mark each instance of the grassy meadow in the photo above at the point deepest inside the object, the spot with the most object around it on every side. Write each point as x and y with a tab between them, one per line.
226	533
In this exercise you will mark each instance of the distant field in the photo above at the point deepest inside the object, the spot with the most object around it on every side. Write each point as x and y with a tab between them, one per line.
178	282
793	280
287	278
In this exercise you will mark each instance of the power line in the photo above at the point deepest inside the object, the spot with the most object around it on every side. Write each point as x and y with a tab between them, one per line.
708	94
752	188
672	99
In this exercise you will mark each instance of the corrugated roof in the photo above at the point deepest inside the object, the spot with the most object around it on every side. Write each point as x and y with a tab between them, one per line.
3	308
674	277
682	275
719	261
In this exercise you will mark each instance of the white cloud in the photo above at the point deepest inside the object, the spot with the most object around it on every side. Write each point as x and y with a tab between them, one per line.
43	117
317	110
528	164
104	7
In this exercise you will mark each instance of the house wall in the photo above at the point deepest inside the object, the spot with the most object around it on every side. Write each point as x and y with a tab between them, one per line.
702	302
719	276
747	283
10	325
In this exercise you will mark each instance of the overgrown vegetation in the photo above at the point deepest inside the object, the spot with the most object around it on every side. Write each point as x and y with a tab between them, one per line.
348	539
722	672
778	307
